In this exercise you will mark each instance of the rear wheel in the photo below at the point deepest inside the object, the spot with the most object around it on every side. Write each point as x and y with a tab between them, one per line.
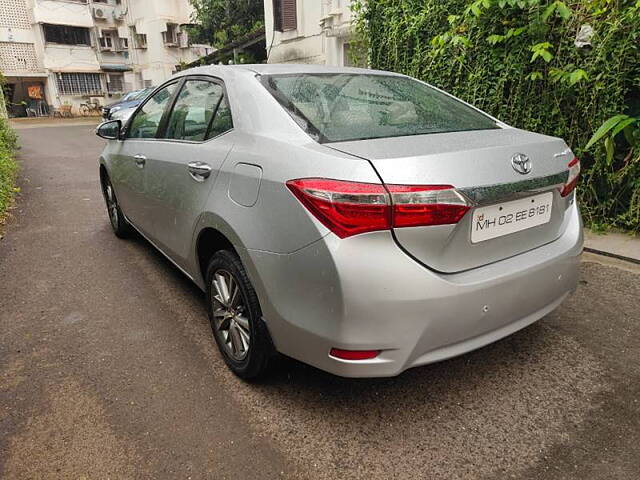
236	318
119	223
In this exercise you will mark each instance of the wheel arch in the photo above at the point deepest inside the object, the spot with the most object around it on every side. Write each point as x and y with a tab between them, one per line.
103	172
215	234
209	241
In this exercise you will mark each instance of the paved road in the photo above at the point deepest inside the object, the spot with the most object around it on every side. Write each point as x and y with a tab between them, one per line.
108	370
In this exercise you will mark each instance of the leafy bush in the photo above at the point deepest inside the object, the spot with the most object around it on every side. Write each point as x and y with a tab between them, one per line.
8	166
557	67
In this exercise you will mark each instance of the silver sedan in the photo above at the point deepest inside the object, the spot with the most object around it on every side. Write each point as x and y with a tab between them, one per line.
360	221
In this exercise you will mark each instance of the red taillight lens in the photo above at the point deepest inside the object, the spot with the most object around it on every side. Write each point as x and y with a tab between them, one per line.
574	175
350	208
415	205
354	354
345	208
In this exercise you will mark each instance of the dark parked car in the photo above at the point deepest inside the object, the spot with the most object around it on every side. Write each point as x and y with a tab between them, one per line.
129	100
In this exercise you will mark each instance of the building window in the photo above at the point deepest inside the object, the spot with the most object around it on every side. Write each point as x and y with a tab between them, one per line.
110	40
285	15
139	39
170	36
106	41
79	84
115	83
66	34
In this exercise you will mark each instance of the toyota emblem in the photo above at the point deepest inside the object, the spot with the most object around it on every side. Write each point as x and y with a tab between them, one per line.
521	163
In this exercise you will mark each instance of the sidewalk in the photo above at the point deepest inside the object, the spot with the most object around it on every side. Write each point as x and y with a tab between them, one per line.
616	245
39	122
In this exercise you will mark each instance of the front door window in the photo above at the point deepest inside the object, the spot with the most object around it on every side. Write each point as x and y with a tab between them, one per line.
146	122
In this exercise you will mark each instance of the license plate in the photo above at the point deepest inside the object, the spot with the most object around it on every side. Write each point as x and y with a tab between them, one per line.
510	217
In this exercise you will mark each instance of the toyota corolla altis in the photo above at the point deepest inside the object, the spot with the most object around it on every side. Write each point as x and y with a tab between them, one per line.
360	221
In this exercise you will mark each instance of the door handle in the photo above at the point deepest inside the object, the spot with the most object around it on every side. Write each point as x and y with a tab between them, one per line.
140	160
199	171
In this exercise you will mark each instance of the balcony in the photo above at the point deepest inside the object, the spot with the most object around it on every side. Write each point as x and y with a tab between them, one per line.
63	13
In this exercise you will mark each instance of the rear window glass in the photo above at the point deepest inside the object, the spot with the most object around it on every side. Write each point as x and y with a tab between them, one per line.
342	107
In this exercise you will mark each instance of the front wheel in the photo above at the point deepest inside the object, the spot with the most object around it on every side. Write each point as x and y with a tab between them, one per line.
236	318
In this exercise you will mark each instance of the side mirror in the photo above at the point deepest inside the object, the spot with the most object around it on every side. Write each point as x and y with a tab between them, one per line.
109	130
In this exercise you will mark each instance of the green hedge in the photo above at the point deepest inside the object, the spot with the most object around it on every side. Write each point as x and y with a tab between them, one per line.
517	60
8	166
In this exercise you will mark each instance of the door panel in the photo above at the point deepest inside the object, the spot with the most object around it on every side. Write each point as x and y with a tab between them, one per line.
130	160
182	168
174	196
128	180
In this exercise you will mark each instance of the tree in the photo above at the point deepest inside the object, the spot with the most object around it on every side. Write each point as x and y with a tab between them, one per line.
219	22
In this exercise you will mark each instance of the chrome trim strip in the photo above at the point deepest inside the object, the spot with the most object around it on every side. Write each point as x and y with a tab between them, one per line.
488	194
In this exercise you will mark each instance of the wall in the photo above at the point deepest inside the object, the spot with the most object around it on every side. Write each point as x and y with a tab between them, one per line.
324	27
19	61
157	62
24	52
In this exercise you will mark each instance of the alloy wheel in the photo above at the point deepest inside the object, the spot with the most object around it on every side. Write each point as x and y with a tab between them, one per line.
112	206
230	314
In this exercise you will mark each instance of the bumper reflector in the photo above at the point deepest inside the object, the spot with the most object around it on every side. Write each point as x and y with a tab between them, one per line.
354	354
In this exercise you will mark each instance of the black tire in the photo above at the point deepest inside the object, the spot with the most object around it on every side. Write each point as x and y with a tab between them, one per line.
259	352
119	223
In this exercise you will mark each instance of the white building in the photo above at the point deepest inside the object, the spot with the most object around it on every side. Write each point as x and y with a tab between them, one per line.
58	52
308	31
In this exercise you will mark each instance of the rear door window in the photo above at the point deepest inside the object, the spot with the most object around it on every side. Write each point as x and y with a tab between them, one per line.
194	110
222	121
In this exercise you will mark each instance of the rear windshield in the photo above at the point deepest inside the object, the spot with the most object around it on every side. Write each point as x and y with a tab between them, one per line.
346	106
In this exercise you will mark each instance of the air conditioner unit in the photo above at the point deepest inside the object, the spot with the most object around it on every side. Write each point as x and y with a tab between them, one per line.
118	15
98	13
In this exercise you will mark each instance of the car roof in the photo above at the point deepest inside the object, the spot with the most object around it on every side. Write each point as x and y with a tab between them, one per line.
281	69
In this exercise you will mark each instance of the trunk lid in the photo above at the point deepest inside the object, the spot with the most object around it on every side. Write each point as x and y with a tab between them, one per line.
479	165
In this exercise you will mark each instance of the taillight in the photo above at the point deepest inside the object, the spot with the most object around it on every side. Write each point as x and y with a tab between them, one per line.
350	208
572	180
415	205
345	208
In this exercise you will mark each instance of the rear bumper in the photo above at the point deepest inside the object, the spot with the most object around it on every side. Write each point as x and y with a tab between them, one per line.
364	293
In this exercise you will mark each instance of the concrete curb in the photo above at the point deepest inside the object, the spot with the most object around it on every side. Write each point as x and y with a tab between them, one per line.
612	255
48	123
615	245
